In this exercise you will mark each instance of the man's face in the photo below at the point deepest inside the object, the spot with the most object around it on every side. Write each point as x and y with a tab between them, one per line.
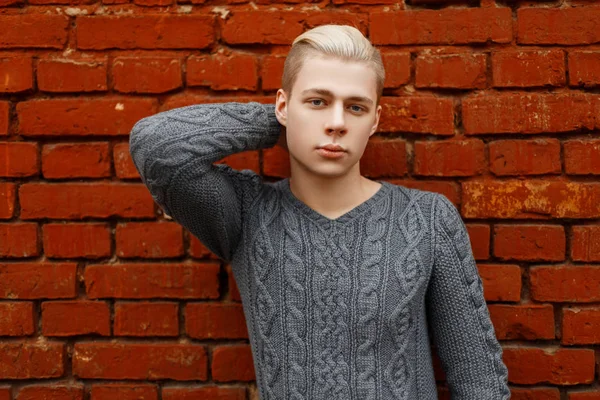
333	102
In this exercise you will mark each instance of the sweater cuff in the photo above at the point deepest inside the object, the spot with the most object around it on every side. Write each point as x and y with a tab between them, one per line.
272	127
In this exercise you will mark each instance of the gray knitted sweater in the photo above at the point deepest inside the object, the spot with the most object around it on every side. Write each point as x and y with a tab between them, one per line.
336	309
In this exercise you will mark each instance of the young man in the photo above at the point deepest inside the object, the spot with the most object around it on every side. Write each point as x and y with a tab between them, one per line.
342	278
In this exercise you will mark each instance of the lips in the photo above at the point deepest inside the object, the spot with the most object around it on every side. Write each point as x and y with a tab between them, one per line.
332	147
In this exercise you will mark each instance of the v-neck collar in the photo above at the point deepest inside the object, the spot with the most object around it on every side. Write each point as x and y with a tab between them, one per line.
322	219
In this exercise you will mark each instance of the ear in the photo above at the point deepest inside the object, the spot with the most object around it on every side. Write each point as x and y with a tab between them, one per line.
376	124
281	107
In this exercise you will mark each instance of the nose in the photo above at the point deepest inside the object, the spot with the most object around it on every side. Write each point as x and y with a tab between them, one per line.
336	122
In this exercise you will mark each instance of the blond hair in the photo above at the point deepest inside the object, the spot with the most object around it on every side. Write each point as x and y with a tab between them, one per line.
343	42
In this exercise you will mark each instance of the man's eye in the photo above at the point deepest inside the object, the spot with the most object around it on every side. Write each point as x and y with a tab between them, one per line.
313	102
358	108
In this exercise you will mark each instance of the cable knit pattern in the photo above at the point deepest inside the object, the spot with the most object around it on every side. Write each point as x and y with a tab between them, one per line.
337	309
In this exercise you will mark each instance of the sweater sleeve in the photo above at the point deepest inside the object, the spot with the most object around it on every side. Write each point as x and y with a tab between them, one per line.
460	323
174	152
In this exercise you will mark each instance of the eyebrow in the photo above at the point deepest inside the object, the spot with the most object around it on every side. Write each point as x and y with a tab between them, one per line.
329	93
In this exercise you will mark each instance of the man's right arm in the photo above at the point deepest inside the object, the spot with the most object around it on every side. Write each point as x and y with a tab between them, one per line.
174	152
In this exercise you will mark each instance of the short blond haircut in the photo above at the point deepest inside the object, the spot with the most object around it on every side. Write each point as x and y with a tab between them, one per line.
343	42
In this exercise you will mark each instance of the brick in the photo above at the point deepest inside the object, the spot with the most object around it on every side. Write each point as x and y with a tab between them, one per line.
583	68
584	396
582	157
181	362
449	158
525	157
7	200
144	281
565	283
50	393
19	240
76	160
70	318
81	200
429	115
272	71
451	71
64	75
232	363
124	392
146	75
34	30
581	326
533	199
265	27
38	280
4	117
89	240
17	73
32	360
534	393
17	319
124	166
215	321
223	71
146	319
526	322
529	242
160	31
242	160
448	26
206	392
530	113
397	68
448	189
149	239
82	117
20	159
501	282
5	393
190	99
276	162
384	158
480	240
518	68
555	366
555	25
585	243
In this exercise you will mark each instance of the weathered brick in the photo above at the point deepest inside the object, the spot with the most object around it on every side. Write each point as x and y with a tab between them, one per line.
82	117
76	160
501	282
556	366
449	158
452	71
124	166
384	158
149	239
17	319
19	159
397	68
81	200
430	115
232	363
181	362
70	318
527	321
146	75
537	25
585	243
215	321
223	71
50	393
124	392
158	31
38	280
272	71
146	319
533	393
582	157
17	73
480	240
19	240
34	30
525	157
4	117
64	75
581	325
205	392
447	26
529	242
565	283
144	281
89	240
583	68
7	200
32	360
528	68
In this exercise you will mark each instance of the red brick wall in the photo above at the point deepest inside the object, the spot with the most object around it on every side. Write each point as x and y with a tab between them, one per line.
495	105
